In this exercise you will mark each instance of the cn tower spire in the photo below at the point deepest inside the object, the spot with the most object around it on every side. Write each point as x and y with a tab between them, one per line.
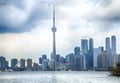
54	43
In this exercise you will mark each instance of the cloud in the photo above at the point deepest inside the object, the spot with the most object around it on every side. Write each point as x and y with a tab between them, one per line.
21	16
105	16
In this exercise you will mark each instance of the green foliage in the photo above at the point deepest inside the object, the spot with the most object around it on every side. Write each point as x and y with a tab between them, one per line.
116	71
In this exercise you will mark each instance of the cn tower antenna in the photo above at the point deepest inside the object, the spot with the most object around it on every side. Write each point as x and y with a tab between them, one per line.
54	42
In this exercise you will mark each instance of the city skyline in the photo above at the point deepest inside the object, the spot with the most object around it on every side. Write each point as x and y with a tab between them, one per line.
84	57
25	31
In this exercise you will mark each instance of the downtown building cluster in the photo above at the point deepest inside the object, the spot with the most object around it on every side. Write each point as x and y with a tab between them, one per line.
84	57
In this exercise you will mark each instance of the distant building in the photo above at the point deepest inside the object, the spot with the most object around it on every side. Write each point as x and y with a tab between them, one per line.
22	63
113	46
14	63
3	63
40	60
70	59
78	63
103	60
62	60
45	65
90	53
113	50
96	52
29	63
57	58
108	50
44	56
84	51
77	50
35	66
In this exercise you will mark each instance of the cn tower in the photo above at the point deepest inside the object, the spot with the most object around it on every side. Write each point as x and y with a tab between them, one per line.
54	43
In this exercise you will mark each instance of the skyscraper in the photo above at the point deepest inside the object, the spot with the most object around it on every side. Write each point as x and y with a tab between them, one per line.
113	50
77	50
54	43
22	63
84	50
14	63
91	47
107	44
29	63
2	63
113	46
108	50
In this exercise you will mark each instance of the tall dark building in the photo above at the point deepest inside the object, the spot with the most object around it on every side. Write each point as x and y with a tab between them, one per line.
2	63
113	46
77	50
29	63
84	50
40	60
108	50
70	59
57	58
91	48
14	63
44	56
22	63
113	50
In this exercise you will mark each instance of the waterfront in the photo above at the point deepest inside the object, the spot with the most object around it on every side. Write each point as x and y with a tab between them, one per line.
57	77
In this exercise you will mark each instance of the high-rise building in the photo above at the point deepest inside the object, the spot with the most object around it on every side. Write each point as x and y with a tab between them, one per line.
84	46
113	46
102	60
40	60
2	63
77	50
108	50
22	63
84	50
54	43
35	66
45	65
96	52
57	58
44	56
90	54
78	62
14	63
113	50
70	59
29	63
62	60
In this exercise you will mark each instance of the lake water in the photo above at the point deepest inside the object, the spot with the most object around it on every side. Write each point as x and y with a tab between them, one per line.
58	77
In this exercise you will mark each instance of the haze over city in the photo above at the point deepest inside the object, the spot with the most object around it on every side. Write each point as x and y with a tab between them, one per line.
25	25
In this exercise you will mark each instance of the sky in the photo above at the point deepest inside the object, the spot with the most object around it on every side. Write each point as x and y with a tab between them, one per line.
25	25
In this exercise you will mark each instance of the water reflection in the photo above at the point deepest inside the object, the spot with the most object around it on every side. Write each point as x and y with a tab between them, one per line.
57	77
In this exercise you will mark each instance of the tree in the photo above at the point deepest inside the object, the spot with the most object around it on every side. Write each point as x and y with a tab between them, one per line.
116	71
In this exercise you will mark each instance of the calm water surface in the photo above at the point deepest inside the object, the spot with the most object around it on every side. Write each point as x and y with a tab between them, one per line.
58	77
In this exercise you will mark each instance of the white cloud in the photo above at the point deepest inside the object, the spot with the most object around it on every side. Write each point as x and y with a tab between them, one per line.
74	20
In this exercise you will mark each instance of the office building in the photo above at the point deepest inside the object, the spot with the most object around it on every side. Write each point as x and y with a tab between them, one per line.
45	65
29	63
70	59
77	50
84	51
108	50
90	53
35	66
96	52
2	63
103	60
22	63
14	63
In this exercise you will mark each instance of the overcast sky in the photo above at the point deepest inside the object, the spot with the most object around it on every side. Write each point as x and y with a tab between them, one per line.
25	25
